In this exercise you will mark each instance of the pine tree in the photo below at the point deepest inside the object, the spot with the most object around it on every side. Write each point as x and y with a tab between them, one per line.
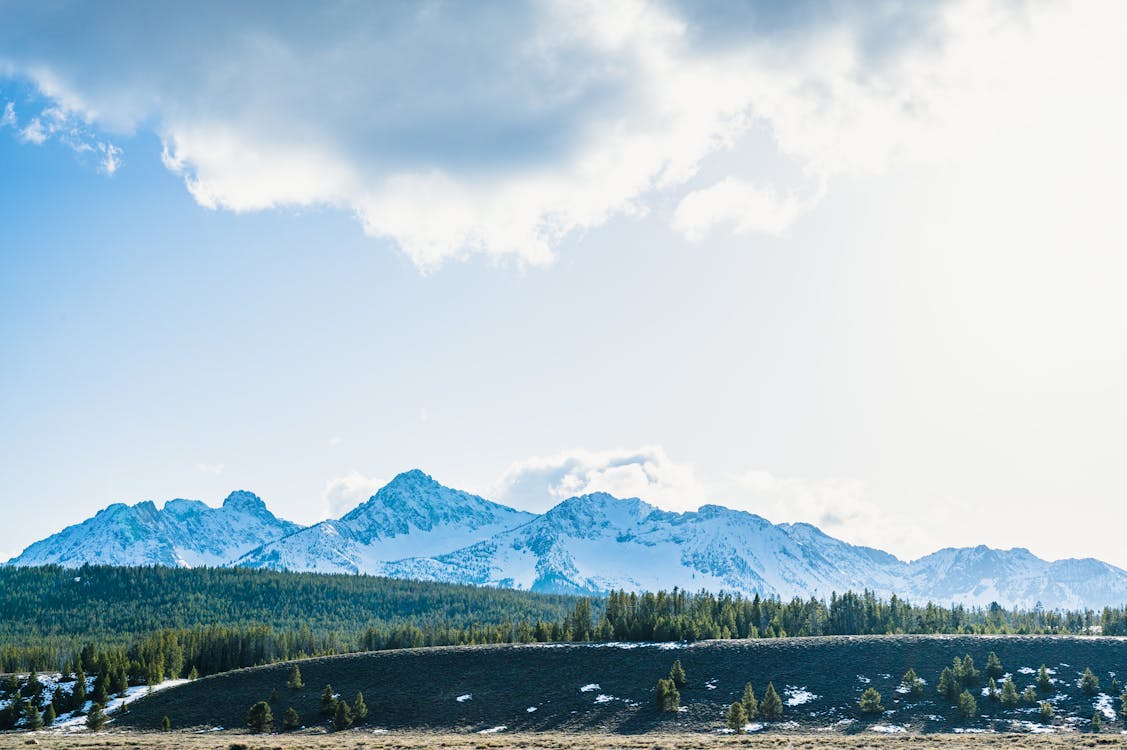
771	707
968	675
1046	712
737	717
1089	683
1009	693
165	724
274	695
1044	682
290	720
661	693
101	693
342	719
668	698
34	719
948	686
328	701
1096	721
968	707
50	715
294	682
993	666
991	689
1029	695
1123	705
677	674
193	673
260	718
912	684
750	704
359	708
870	702
78	693
96	719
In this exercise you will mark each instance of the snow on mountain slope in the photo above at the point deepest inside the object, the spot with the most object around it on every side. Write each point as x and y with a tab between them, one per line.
184	533
596	542
1016	577
412	516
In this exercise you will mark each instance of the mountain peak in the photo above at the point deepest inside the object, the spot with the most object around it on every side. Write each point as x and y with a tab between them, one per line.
248	502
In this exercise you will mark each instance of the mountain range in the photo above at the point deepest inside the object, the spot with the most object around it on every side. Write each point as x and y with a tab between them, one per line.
416	528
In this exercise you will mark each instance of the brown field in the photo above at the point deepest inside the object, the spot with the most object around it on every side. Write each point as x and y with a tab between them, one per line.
364	740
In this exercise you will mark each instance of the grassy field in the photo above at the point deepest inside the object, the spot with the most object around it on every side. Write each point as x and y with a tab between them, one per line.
365	740
610	688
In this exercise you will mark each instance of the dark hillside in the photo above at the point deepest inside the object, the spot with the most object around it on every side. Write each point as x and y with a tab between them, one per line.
419	688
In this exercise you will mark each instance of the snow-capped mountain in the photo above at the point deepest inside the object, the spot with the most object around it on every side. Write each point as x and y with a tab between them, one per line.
185	533
417	528
412	516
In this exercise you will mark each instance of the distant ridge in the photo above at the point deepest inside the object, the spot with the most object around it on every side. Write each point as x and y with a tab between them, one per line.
417	528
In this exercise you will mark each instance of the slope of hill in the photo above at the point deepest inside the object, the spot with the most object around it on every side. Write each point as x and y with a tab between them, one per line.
611	687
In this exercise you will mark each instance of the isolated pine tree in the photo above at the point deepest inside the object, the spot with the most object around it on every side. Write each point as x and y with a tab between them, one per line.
342	718
1046	712
96	719
290	720
328	701
968	707
912	684
294	682
1096	721
677	674
1044	682
771	707
948	686
165	724
193	673
991	689
260	718
750	704
870	702
1009	693
33	719
993	666
1089	683
359	708
49	715
737	717
968	675
667	696
1029	695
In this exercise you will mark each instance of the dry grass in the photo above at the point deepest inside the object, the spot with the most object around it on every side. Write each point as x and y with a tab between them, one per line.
365	740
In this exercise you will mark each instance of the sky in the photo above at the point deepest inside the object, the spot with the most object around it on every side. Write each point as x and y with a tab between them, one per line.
859	264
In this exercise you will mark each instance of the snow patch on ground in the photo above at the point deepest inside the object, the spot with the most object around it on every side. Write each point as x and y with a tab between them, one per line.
604	698
1031	727
493	730
863	679
972	730
464	698
1103	705
672	646
711	684
754	726
590	687
888	728
797	696
531	709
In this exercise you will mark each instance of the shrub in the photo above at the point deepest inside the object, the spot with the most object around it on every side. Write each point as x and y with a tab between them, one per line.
290	720
1046	712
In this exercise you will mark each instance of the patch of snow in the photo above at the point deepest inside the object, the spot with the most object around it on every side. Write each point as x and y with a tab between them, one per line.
753	726
885	676
672	645
972	730
935	717
531	709
888	728
863	679
590	687
710	684
493	730
1103	705
604	698
464	698
797	696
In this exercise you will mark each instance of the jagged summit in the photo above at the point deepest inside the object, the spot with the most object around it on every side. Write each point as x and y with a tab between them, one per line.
415	527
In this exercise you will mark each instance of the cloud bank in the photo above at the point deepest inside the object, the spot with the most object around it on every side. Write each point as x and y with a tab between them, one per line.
498	128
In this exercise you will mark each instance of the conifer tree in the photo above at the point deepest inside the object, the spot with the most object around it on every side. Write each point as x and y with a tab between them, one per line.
260	718
993	666
668	698
49	715
342	719
96	719
948	686
677	674
1009	692
328	701
737	717
359	708
274	695
750	704
912	684
991	689
870	702
1123	705
34	719
1046	712
290	720
771	707
1029	695
193	673
968	707
1089	683
1095	721
294	682
100	694
165	724
969	675
1044	682
78	693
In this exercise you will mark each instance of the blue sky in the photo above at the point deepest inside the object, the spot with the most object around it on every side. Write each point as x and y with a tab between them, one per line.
853	264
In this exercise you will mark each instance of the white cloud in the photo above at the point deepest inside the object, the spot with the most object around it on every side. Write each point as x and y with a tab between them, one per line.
8	119
110	159
345	493
209	468
838	506
738	204
34	132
